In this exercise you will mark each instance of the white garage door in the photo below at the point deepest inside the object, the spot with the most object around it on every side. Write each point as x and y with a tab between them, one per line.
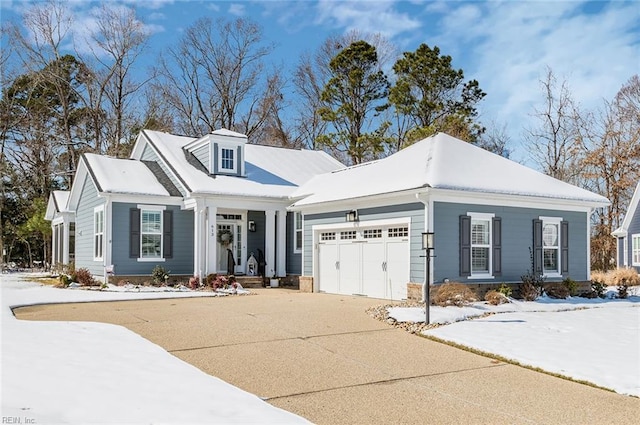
371	261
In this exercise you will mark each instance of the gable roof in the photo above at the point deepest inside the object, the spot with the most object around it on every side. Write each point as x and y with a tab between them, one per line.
270	171
441	162
631	211
113	175
57	203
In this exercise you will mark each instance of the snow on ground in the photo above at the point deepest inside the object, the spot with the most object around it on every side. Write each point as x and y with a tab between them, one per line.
84	373
595	340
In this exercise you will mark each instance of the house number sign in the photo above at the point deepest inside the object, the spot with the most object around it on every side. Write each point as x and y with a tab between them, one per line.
213	230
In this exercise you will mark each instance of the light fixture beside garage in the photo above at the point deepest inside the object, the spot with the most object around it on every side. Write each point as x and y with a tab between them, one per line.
352	216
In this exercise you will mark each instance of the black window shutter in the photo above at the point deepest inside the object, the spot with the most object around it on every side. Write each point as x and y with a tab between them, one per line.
564	248
465	245
497	246
167	233
134	233
537	246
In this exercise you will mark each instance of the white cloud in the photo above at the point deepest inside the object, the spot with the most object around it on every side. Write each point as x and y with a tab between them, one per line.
368	17
237	9
509	46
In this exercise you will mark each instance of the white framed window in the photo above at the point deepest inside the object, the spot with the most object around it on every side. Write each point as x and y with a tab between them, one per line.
151	233
227	159
635	249
551	245
481	236
297	232
98	233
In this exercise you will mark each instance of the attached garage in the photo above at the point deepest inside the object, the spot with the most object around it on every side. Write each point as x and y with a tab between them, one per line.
370	260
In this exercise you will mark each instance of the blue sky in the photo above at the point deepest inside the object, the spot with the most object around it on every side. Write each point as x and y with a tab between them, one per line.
505	45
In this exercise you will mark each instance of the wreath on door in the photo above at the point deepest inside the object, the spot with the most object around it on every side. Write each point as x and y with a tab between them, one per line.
225	236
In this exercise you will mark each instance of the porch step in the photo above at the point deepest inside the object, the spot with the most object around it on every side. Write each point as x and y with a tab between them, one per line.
250	281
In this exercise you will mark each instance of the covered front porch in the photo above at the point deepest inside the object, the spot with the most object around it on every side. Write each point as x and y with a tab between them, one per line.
227	233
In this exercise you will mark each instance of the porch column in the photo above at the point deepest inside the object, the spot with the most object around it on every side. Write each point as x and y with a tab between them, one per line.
270	243
65	241
198	230
54	244
211	240
282	243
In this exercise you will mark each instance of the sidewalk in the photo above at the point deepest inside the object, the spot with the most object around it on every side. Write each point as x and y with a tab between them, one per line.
320	356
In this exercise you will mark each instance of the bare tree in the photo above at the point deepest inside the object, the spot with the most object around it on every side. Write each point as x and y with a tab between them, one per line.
611	164
553	143
214	77
496	139
117	43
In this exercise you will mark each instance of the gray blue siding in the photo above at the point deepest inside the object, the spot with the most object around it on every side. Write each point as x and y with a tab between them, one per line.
84	229
182	233
294	259
517	238
202	154
415	211
255	240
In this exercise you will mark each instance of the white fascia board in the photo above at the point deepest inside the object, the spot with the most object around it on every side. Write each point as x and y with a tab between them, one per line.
620	233
237	202
395	198
505	200
191	146
137	198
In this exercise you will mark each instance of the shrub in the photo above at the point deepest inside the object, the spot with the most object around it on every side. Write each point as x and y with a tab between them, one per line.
64	280
623	291
505	290
454	294
530	280
624	276
529	292
571	285
599	276
598	288
211	277
194	282
496	298
557	290
84	277
159	275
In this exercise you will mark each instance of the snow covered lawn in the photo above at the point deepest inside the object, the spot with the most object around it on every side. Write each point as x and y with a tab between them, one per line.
83	373
592	340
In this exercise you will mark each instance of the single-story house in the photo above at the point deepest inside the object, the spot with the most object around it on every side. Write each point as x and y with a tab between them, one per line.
493	221
188	203
628	235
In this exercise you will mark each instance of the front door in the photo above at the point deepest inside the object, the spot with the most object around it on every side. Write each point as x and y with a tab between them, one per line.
229	239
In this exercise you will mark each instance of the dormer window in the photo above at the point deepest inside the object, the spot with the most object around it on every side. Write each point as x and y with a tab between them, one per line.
221	152
226	160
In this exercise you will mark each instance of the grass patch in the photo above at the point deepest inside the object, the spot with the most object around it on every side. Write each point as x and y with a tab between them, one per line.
45	280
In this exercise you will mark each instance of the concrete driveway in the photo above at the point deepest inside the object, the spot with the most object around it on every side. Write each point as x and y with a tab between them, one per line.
322	357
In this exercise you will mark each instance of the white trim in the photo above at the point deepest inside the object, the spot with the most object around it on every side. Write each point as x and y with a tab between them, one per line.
361	224
558	222
625	251
233	159
633	205
488	217
94	233
151	207
154	209
297	249
635	263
